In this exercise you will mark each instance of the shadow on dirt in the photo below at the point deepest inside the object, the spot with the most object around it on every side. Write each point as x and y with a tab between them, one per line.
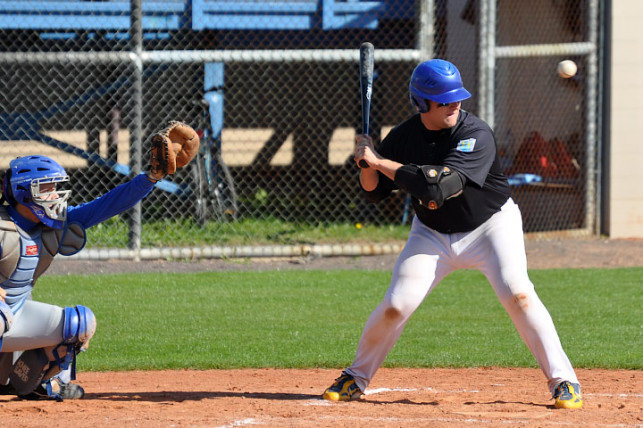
180	396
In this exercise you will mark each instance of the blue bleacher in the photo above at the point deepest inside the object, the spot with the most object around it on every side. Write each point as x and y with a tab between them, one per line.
285	14
86	15
167	15
352	14
244	15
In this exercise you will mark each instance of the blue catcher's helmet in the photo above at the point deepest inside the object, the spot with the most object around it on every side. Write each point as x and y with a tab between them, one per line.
436	80
23	184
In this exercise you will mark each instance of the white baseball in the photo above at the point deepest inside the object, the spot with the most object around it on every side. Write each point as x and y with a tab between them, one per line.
567	69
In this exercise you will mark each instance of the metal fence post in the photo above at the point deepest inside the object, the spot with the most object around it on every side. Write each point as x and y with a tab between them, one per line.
426	29
483	29
593	166
136	38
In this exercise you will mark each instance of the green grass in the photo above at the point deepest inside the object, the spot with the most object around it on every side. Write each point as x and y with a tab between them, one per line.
314	319
269	231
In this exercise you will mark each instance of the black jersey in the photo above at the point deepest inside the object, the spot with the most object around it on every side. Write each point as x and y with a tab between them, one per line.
468	148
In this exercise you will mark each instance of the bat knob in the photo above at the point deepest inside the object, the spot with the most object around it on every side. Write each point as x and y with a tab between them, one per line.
363	164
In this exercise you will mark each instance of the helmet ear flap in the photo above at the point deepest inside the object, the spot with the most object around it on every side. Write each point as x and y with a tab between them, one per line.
421	105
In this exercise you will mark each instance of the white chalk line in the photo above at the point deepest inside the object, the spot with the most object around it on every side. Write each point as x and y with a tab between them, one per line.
375	391
241	423
422	421
455	391
607	394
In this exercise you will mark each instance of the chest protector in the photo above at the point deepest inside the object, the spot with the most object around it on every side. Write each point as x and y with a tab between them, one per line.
26	256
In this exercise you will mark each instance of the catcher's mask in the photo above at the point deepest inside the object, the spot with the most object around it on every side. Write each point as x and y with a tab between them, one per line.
436	80
34	181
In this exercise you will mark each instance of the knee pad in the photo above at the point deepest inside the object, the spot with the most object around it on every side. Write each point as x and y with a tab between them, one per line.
36	366
6	319
79	326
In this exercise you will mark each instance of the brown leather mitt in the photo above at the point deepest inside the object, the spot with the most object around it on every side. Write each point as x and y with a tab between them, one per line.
172	148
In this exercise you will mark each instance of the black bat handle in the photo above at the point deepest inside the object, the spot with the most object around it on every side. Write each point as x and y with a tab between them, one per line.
366	65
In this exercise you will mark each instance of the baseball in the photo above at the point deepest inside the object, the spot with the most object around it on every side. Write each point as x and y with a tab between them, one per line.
567	69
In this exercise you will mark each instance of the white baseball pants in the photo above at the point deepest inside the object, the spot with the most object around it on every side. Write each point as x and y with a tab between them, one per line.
497	249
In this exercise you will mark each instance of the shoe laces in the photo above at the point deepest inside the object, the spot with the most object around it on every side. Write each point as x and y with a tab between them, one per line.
562	391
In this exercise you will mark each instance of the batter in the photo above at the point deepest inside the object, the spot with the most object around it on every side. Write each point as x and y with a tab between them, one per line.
446	159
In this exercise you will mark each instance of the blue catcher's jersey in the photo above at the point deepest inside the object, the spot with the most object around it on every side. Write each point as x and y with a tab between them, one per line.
20	282
22	248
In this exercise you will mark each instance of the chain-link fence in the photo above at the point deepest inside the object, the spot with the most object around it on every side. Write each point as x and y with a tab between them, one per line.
273	88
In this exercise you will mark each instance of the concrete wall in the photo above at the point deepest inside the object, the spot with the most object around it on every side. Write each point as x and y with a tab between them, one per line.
625	199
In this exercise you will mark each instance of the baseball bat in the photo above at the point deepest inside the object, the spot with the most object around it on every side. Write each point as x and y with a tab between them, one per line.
366	64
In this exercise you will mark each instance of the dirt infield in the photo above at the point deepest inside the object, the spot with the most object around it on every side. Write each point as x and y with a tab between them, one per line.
476	397
485	397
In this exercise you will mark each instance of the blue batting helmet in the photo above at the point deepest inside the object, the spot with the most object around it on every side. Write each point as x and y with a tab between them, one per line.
436	80
22	183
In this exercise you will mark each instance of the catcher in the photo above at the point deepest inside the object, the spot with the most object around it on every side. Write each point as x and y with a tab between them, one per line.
38	341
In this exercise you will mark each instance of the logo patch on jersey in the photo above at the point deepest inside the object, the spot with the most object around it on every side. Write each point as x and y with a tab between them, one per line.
32	250
466	145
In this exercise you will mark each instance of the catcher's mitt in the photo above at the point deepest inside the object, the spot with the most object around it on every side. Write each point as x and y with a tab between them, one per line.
173	147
